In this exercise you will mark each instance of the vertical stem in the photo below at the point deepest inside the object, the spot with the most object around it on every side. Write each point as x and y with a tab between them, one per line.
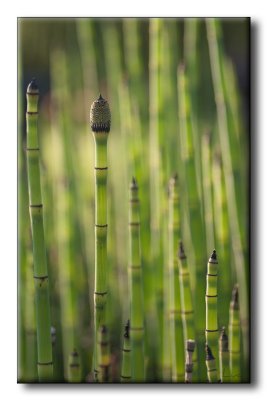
126	371
136	285
224	357
177	338
211	366
187	303
103	355
211	306
74	373
234	336
43	323
100	125
189	365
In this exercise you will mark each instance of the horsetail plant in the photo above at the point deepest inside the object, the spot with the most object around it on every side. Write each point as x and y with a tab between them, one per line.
103	355
224	357
186	299
211	365
100	119
126	355
136	285
234	336
40	273
74	367
211	306
177	338
189	365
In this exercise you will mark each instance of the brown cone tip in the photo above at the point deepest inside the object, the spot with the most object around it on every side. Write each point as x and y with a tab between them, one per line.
213	257
209	355
235	297
133	185
127	329
32	87
181	253
100	117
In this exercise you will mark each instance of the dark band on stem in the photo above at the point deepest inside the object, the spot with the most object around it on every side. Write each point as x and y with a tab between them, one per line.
74	365
212	274
134	223
32	112
126	350
36	205
134	200
187	312
101	226
29	149
41	277
208	295
101	293
45	363
212	330
125	377
101	168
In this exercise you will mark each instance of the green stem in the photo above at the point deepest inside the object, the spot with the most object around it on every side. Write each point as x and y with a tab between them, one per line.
136	285
177	338
234	336
187	303
126	356
43	323
74	366
211	306
100	125
224	357
211	366
103	355
189	364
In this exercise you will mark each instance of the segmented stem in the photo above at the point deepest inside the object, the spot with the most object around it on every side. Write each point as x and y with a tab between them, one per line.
74	367
136	285
234	336
211	306
100	124
126	370
103	355
43	321
211	366
186	302
177	337
189	365
224	357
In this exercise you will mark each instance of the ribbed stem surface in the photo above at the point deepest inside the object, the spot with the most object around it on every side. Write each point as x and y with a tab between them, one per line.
43	322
